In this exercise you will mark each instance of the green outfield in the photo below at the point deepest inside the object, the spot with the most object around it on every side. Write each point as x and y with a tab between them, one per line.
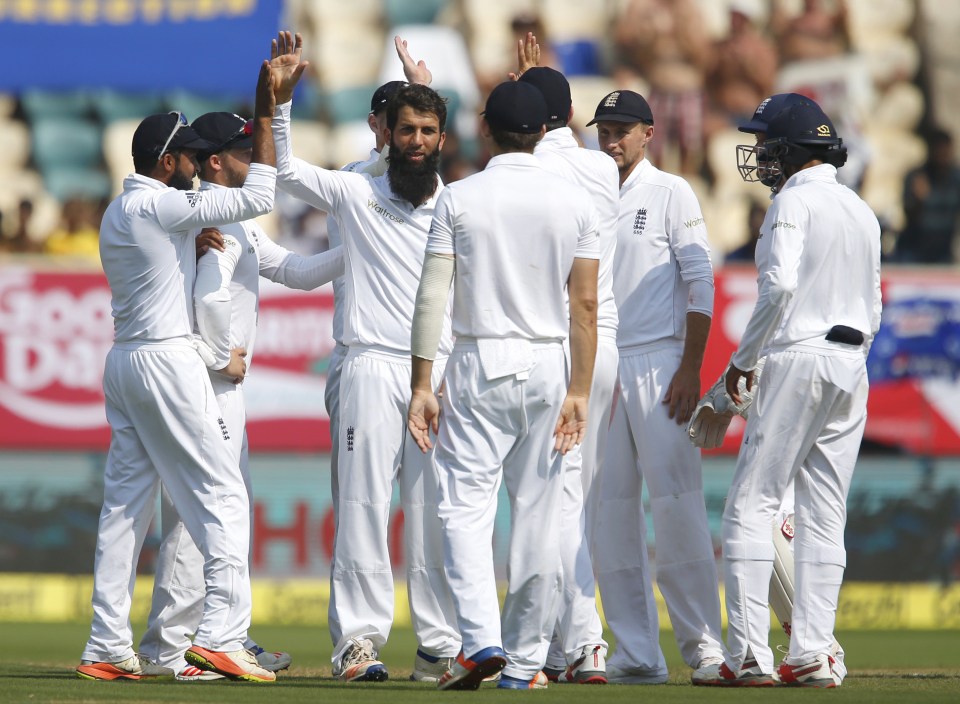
38	660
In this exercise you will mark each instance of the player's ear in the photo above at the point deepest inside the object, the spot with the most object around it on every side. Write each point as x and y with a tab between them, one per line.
443	138
372	124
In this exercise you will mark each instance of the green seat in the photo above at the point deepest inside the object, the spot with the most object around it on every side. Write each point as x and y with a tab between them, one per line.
348	104
62	141
400	12
67	182
113	105
43	104
193	105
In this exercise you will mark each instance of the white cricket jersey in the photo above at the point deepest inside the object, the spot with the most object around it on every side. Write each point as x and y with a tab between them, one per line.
374	165
148	250
384	241
661	248
597	173
818	264
227	290
514	229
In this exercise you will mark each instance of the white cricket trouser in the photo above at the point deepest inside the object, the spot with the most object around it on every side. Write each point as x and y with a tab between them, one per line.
645	444
804	428
493	430
578	624
331	399
166	425
178	584
375	448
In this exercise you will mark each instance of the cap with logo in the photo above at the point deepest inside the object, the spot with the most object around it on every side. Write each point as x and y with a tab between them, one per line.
803	123
769	109
383	94
224	130
166	132
623	106
515	106
555	89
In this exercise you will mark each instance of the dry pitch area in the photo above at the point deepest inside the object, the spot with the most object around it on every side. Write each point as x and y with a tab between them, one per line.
37	664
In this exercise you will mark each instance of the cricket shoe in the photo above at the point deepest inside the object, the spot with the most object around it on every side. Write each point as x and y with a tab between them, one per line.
816	673
429	668
273	661
554	674
707	672
468	673
235	664
135	667
589	668
750	675
359	663
195	674
539	681
636	675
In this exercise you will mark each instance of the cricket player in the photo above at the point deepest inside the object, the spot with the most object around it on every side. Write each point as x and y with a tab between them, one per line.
818	308
227	297
663	285
511	238
577	652
164	420
383	222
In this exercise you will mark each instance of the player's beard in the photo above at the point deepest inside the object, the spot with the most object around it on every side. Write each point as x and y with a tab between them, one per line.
181	180
412	181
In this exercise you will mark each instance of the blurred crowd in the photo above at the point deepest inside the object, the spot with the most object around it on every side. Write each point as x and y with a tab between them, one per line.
704	66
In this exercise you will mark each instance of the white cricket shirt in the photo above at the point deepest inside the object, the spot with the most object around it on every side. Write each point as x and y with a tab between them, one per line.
373	165
597	174
384	241
148	250
818	264
514	229
661	248
227	290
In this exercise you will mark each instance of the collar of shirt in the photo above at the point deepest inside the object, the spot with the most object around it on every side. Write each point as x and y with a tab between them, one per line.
513	159
382	184
820	172
209	185
140	181
638	172
560	138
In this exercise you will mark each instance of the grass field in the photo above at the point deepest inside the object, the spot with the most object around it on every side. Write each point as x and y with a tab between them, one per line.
885	666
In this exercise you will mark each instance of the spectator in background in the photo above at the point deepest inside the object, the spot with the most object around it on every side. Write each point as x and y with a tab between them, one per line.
746	252
744	68
664	42
815	33
20	241
931	203
76	234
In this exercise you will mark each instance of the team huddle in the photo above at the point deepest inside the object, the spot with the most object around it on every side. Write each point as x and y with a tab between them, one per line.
541	323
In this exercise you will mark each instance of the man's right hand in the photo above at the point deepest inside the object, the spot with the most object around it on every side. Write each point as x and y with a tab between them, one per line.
528	55
236	369
286	64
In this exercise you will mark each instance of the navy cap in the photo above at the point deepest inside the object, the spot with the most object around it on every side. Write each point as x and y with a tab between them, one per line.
803	123
623	106
769	109
383	94
515	106
224	130
155	130
555	89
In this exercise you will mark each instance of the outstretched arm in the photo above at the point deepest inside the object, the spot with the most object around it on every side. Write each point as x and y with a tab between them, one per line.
413	71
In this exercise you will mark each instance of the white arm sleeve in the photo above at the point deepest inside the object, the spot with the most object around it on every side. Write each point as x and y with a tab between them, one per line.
296	271
211	295
431	305
700	299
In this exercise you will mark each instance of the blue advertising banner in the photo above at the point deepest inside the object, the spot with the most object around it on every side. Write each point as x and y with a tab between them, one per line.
919	337
136	45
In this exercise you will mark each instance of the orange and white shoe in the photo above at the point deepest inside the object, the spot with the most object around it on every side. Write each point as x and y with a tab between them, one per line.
235	664
750	675
195	674
468	673
136	667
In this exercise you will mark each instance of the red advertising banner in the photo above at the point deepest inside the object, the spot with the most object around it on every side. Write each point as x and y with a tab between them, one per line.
56	328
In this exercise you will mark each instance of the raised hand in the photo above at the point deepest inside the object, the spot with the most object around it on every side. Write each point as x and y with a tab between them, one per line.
413	71
528	55
286	64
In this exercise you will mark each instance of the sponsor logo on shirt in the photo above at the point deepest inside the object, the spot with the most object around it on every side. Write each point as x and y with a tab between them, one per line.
639	221
781	223
350	439
693	222
194	197
380	210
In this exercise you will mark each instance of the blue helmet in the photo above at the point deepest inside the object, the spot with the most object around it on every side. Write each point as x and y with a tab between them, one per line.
769	109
